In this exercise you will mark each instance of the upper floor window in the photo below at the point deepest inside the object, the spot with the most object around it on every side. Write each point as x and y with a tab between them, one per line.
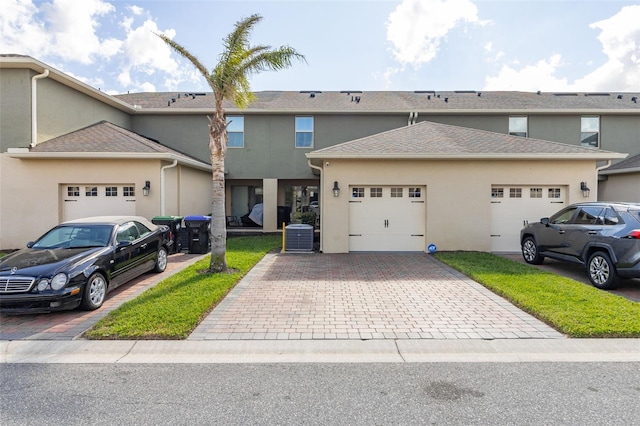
590	131
518	126
304	132
235	130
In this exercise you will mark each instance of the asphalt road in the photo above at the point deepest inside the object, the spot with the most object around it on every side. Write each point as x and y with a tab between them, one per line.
296	394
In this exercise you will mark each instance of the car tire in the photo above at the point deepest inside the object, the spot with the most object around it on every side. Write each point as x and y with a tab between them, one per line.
95	292
601	271
530	252
161	260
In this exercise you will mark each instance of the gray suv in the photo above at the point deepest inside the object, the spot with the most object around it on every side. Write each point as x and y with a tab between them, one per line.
605	237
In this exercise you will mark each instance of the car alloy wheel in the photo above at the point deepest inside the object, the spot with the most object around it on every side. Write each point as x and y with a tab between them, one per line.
94	292
530	252
601	271
161	261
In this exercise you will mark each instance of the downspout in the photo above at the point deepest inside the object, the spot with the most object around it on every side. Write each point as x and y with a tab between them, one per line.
162	186
321	201
34	107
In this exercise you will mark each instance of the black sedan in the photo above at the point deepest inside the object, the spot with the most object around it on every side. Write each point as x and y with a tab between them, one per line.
604	237
78	262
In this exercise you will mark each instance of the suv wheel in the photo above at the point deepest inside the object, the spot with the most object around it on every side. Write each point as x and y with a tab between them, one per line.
530	252
602	272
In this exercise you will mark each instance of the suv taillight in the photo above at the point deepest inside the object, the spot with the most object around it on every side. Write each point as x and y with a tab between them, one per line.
635	234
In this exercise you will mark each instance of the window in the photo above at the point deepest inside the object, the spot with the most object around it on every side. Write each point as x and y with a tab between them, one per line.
414	192
304	132
563	217
518	126
73	191
515	192
396	192
357	193
588	215
610	217
590	131
497	192
235	130
376	192
535	192
91	191
111	191
554	192
129	191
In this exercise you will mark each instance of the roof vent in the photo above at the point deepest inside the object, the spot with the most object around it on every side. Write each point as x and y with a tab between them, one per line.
565	94
479	94
538	92
465	91
619	96
446	99
634	99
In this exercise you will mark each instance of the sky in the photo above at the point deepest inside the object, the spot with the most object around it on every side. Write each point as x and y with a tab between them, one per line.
569	45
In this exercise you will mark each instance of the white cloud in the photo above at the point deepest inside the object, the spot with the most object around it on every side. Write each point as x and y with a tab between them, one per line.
73	26
19	31
620	39
539	76
145	53
417	27
63	28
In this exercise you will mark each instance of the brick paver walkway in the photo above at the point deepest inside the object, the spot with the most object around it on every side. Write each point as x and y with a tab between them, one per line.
363	296
69	325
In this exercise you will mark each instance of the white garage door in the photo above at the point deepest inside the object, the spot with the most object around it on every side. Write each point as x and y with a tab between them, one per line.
81	200
514	206
387	218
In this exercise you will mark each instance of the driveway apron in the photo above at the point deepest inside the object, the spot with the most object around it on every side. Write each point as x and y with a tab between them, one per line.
363	296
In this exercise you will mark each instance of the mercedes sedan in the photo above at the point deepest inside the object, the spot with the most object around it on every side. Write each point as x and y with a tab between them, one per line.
602	236
78	262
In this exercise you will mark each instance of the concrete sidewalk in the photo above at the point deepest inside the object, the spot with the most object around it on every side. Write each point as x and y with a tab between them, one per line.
311	351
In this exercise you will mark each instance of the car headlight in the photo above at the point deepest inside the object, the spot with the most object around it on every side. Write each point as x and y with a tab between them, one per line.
59	281
42	285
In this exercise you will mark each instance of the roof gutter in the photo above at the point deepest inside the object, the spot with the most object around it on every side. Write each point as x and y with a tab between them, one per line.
162	185
34	107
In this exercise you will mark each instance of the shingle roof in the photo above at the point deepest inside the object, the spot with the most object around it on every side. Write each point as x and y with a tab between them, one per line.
394	101
434	140
628	165
105	137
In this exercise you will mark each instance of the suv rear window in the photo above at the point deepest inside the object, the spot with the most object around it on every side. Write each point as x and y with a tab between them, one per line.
635	213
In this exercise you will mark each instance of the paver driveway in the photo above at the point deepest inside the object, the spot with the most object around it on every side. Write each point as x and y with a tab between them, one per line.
363	296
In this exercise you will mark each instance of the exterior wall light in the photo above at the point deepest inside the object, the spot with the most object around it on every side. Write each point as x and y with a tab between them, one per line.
146	188
336	190
585	189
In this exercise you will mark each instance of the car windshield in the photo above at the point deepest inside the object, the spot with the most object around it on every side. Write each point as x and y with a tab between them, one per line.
75	236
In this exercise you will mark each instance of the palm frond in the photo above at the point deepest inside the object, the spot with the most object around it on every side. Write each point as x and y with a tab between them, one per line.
182	51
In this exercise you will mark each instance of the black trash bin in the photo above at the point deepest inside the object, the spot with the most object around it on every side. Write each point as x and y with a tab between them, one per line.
175	224
198	230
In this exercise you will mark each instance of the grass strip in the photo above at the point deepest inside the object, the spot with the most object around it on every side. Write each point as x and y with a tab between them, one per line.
569	306
175	306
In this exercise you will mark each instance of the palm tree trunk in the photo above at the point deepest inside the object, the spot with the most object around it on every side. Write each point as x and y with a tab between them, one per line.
218	232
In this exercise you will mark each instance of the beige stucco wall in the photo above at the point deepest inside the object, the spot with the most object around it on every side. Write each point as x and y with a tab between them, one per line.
30	191
458	214
620	187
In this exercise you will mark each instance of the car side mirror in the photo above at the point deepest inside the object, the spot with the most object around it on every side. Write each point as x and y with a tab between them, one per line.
30	244
545	221
123	244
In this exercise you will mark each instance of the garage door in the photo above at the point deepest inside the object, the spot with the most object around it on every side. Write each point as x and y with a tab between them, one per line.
97	200
514	206
387	218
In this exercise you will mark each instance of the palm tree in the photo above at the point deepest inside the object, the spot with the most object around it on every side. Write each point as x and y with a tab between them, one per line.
229	80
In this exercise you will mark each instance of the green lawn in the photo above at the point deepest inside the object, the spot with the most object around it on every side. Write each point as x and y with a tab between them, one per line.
571	307
174	307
